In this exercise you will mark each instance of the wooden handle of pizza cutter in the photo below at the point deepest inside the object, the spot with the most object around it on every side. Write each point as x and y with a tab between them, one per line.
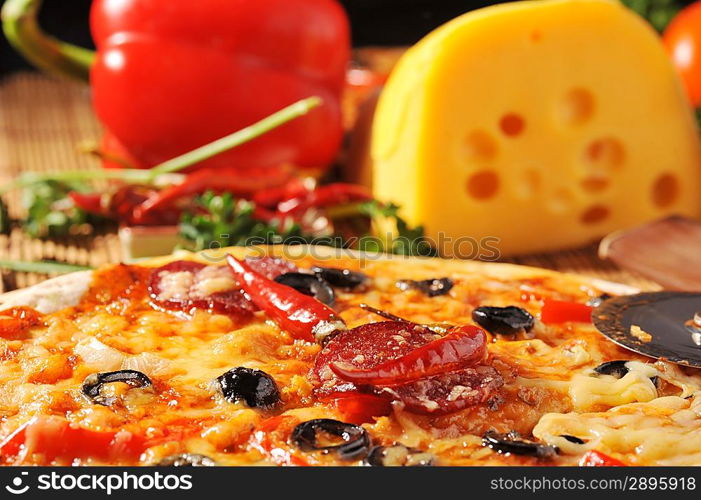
667	251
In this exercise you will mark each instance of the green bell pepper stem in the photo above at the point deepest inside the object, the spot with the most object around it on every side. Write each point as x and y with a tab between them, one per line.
21	27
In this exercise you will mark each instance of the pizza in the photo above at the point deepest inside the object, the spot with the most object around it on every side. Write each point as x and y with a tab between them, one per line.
297	355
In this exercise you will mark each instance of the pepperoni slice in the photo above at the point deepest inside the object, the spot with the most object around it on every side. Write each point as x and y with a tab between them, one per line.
365	347
186	286
449	392
397	360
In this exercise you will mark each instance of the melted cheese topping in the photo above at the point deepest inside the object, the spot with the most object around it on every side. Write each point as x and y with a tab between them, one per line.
549	389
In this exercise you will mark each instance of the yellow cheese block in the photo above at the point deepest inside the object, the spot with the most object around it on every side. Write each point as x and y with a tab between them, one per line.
545	124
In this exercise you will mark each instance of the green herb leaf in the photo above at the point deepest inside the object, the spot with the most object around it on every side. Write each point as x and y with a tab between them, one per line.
51	214
44	267
221	220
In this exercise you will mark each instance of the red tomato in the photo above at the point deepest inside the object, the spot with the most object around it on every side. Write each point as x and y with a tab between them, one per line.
560	311
682	39
595	458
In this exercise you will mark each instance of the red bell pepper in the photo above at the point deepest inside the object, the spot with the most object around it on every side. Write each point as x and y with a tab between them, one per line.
169	76
560	311
595	458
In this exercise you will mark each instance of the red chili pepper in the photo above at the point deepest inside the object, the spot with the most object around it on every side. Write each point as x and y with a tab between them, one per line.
170	76
228	180
595	458
462	347
559	311
15	321
302	316
270	197
326	196
90	202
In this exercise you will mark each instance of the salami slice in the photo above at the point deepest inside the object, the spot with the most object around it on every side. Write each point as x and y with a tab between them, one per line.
449	392
365	347
187	286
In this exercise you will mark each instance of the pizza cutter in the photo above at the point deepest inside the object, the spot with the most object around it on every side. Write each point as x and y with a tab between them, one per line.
664	325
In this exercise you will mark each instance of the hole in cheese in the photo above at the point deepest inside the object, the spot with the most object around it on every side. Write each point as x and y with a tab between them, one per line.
483	185
594	214
529	184
595	184
479	145
512	124
665	190
606	153
577	107
561	200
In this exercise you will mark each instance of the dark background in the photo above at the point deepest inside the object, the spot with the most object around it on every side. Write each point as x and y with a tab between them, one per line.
374	22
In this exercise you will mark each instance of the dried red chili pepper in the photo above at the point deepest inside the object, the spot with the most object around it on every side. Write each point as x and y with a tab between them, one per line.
326	196
234	181
302	316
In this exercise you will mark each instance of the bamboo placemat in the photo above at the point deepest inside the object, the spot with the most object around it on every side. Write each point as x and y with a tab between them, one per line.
42	123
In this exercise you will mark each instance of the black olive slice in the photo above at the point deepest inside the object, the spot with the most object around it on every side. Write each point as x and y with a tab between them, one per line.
92	385
309	284
187	460
615	368
255	387
398	455
572	439
619	369
356	441
508	320
342	278
511	443
431	287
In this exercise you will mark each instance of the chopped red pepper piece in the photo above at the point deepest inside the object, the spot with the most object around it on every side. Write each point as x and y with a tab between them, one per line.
560	311
302	316
54	438
359	408
462	347
595	458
